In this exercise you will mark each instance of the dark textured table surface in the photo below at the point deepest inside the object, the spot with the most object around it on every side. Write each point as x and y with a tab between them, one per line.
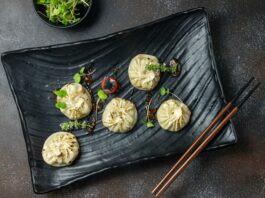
238	31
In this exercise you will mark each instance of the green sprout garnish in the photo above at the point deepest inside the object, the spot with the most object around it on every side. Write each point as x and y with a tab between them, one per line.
148	120
61	93
165	91
162	68
65	12
82	70
77	78
102	95
148	124
60	105
70	125
173	67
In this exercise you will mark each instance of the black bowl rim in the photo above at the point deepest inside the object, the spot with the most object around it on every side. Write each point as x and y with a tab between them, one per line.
62	26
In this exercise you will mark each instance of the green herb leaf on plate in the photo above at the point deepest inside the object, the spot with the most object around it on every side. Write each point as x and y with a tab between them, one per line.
60	105
77	78
150	124
70	125
164	91
84	125
65	126
102	95
82	70
61	93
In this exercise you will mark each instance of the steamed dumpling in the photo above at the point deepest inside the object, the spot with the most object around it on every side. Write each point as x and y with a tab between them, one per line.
173	115
120	115
139	76
78	101
60	149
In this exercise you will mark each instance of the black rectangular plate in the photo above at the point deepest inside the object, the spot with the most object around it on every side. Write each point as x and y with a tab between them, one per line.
34	73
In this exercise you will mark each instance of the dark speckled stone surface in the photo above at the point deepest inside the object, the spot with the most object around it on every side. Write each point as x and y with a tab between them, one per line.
238	33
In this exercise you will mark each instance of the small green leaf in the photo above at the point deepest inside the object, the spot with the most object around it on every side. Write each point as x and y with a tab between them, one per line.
60	105
61	93
84	125
82	70
174	69
102	96
65	126
149	124
77	124
77	78
162	91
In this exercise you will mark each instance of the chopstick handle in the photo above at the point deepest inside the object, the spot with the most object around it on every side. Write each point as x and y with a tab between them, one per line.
197	151
192	147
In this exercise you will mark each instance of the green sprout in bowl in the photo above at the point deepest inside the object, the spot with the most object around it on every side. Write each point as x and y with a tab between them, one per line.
65	12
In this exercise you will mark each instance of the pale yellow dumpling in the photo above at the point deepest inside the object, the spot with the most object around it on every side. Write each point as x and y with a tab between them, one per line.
120	115
139	76
173	115
60	149
78	101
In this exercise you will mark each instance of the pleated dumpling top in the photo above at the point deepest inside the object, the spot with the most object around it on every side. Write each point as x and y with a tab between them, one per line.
140	77
78	101
120	115
60	149
173	115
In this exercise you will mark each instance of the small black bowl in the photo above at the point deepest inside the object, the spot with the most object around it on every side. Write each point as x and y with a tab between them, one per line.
84	11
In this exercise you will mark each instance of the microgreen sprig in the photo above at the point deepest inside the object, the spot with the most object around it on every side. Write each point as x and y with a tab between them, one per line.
148	122
70	125
77	76
162	68
61	93
82	73
63	11
60	105
173	67
102	95
165	91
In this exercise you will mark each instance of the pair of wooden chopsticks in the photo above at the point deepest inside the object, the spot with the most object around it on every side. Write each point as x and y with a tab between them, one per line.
231	108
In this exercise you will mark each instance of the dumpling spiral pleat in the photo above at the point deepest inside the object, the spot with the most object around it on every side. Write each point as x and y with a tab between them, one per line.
60	149
120	115
173	115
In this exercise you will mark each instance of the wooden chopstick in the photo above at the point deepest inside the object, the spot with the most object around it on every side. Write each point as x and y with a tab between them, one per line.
196	152
191	148
200	138
189	155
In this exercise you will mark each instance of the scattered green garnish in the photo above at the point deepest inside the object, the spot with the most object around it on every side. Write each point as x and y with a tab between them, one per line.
148	124
102	96
65	12
77	78
61	93
60	105
150	114
164	91
162	68
82	70
70	125
173	67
